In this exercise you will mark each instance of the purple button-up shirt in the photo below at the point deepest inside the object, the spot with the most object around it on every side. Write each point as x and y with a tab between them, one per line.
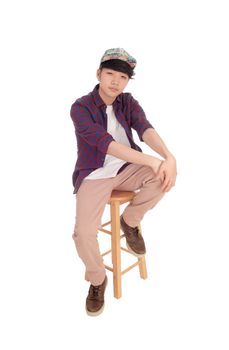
90	120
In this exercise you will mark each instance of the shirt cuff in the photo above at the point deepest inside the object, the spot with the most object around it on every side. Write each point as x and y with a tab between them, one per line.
143	129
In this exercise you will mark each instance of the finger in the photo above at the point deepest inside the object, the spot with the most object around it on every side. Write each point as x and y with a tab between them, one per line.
162	178
159	174
168	188
165	184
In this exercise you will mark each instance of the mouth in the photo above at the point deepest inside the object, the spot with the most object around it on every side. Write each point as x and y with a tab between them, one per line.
113	89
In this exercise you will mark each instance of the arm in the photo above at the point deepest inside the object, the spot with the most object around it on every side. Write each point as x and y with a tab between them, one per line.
92	133
96	136
139	123
128	154
167	172
154	141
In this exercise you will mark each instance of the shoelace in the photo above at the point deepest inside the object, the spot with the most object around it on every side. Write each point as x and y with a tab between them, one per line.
135	231
94	290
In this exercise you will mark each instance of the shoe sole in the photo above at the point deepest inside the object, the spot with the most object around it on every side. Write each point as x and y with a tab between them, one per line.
133	252
97	313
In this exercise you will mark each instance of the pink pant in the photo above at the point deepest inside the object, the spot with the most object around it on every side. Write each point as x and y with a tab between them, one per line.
92	197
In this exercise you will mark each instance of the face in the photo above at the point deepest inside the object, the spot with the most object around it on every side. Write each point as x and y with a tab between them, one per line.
112	84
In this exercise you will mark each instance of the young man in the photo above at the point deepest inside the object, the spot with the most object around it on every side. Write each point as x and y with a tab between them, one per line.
109	159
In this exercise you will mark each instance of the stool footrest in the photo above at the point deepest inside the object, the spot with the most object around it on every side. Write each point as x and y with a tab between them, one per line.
107	252
106	223
105	231
130	267
109	268
124	271
110	250
126	250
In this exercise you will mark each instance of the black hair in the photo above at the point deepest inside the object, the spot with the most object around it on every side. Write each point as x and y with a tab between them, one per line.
119	66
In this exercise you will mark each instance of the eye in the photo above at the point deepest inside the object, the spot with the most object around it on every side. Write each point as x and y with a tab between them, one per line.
124	77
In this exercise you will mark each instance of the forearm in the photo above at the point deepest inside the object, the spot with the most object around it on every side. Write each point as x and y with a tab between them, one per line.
128	154
154	141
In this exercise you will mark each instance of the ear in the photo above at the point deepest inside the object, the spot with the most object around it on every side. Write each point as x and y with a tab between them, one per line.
98	74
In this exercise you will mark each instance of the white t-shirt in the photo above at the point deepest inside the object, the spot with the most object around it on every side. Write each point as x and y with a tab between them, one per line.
111	164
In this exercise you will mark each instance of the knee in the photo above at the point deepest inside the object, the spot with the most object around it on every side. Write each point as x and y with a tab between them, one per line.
151	179
79	239
154	184
77	234
83	235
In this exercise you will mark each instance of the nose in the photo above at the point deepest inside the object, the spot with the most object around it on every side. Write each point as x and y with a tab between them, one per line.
115	80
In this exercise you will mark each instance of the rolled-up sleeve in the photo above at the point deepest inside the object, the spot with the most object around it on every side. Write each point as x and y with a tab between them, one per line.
91	132
138	119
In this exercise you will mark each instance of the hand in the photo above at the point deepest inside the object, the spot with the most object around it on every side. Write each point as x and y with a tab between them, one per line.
167	174
155	164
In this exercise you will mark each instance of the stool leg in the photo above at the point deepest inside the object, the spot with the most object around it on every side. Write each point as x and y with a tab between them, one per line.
142	264
142	267
116	251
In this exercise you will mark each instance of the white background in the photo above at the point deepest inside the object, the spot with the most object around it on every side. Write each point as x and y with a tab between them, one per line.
50	51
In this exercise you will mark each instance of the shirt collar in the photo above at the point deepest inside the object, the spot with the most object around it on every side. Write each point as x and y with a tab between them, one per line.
98	100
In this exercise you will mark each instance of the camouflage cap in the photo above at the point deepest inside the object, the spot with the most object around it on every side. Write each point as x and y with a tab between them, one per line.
119	54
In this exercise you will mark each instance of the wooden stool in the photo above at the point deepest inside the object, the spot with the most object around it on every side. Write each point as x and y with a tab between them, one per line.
117	198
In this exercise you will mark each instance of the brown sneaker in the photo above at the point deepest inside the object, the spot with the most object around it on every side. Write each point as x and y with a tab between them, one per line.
95	299
134	240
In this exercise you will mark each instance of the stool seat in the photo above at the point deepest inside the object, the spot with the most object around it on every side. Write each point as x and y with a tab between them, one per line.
116	199
121	196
